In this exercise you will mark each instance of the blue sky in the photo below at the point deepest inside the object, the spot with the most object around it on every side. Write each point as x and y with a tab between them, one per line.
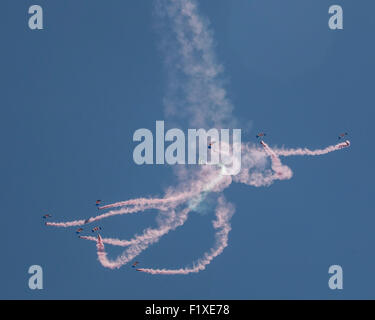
73	94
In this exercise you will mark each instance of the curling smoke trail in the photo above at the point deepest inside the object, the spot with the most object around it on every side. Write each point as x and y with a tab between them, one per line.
209	180
141	243
150	236
197	93
282	172
224	212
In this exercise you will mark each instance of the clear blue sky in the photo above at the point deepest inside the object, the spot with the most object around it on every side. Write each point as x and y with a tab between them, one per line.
73	94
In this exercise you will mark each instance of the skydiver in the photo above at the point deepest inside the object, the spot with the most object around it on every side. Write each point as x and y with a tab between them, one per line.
342	135
210	144
261	134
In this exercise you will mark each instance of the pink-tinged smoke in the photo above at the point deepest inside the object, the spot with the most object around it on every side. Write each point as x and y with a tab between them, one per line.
147	235
308	152
283	172
172	199
224	212
127	210
150	201
201	99
173	212
140	243
254	171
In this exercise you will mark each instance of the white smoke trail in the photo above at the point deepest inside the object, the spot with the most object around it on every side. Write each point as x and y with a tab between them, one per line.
151	201
208	180
141	243
308	152
148	234
206	104
282	172
254	170
224	212
170	222
196	93
122	211
196	89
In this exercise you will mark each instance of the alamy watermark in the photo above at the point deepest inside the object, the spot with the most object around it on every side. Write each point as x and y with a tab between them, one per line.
215	147
336	281
36	280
